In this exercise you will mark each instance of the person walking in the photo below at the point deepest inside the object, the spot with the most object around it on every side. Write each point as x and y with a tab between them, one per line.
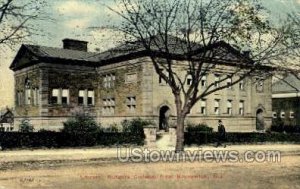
221	134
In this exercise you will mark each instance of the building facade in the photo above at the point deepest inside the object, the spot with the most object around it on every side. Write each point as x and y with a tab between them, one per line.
52	84
286	101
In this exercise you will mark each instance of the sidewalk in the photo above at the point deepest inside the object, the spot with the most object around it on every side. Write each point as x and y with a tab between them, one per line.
111	153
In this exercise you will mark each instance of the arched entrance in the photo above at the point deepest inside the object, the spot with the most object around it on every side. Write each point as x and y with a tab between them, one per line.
260	125
164	114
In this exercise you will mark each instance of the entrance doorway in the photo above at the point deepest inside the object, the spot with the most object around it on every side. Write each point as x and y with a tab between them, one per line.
260	123
164	114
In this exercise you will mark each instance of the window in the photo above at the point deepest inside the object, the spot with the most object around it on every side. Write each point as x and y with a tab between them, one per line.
217	106
54	97
203	106
131	104
20	98
27	96
259	85
60	96
229	107
189	79
274	115
282	114
131	78
217	80
109	106
91	97
241	107
242	85
65	96
86	97
109	80
81	97
36	96
229	82
203	81
292	115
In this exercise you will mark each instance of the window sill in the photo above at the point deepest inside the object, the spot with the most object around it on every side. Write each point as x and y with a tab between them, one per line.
89	106
59	105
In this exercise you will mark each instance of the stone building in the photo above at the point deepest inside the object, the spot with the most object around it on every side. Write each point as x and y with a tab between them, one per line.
6	120
286	100
51	84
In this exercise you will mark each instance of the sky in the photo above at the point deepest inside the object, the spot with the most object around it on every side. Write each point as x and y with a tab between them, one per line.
87	20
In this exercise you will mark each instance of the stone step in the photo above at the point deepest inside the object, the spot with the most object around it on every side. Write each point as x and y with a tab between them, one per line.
162	133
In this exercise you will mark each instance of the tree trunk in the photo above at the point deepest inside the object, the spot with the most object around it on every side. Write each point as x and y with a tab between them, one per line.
180	134
180	124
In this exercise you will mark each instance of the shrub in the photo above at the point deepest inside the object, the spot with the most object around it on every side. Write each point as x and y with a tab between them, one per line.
291	129
112	128
285	128
26	126
82	130
199	138
135	126
198	128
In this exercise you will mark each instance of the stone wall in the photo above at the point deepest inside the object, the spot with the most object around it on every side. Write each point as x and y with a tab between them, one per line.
134	78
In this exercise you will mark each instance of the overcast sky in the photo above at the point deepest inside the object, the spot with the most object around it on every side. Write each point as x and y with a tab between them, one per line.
87	20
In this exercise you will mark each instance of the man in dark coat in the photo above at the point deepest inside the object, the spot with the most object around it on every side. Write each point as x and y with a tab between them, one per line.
221	134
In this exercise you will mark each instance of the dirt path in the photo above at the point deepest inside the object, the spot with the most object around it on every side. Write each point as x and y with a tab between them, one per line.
66	170
159	175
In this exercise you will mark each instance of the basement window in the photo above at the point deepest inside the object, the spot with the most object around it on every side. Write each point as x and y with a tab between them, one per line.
292	115
282	114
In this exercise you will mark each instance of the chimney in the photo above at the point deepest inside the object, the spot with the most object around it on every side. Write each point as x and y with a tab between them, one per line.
73	44
247	54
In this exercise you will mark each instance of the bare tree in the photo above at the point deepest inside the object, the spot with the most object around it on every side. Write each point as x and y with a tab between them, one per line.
207	36
15	20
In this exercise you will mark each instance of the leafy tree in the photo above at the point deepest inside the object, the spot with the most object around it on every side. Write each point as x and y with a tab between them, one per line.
15	20
202	34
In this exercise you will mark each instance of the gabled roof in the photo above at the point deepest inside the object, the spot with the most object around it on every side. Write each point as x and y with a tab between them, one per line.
176	46
289	84
123	52
51	54
178	50
7	117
